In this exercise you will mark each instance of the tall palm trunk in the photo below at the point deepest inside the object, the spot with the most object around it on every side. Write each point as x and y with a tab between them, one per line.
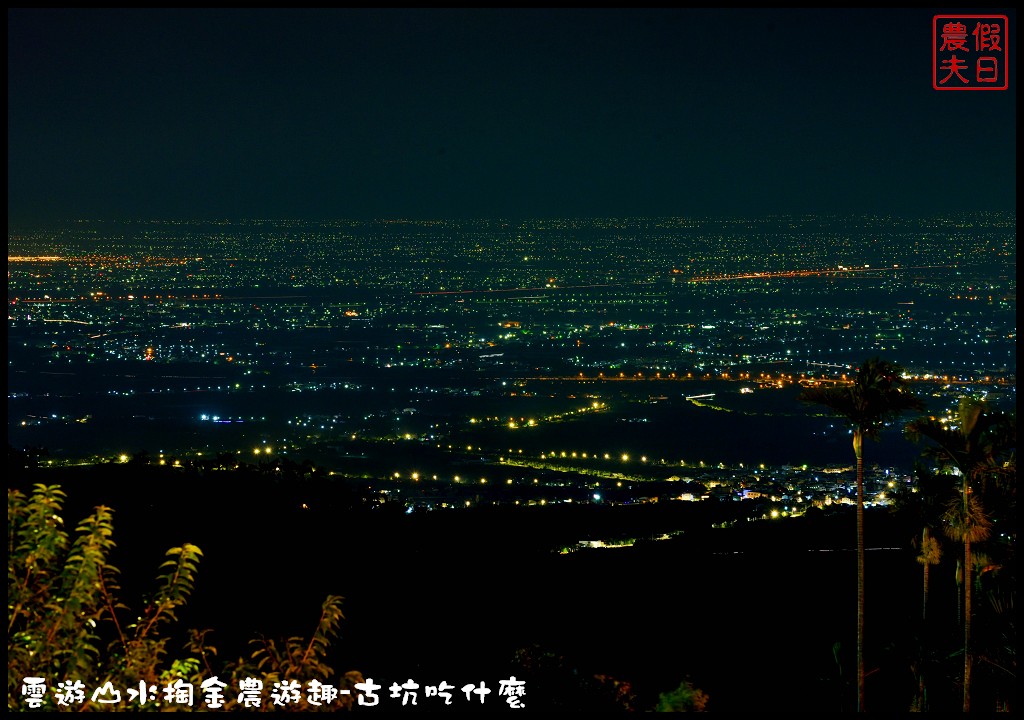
927	564
968	523
875	396
857	449
929	556
967	604
967	625
959	578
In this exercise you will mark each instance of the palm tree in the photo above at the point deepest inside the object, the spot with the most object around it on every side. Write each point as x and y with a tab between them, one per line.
972	444
924	506
967	522
930	555
876	396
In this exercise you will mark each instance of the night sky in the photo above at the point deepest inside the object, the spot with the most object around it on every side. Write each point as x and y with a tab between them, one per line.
184	114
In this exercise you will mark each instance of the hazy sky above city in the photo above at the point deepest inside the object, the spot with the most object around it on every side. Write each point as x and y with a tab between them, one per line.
483	113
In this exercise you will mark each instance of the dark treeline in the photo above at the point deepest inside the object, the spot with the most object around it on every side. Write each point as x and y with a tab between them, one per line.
484	592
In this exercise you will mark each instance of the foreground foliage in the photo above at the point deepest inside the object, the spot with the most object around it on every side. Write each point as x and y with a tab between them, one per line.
66	624
685	698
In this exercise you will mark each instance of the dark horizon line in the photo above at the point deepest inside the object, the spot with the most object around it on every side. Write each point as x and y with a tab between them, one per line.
518	218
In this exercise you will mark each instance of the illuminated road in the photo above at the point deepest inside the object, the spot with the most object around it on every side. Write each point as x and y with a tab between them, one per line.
809	273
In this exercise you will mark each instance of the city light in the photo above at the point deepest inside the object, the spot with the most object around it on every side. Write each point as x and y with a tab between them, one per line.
339	259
